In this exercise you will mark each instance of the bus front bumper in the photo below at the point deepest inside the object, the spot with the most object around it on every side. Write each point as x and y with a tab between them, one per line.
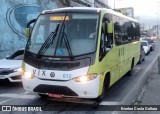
89	89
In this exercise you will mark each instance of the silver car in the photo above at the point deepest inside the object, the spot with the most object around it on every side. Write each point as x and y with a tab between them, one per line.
142	55
151	43
146	46
10	68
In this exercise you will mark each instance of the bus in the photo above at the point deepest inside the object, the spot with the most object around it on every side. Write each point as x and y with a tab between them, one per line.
79	52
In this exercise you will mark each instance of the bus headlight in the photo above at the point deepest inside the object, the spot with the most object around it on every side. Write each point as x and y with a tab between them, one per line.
28	75
85	78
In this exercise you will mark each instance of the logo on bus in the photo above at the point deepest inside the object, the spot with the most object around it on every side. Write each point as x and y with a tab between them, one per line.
59	52
52	74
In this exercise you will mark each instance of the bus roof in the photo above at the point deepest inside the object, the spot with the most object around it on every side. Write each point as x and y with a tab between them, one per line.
87	9
73	9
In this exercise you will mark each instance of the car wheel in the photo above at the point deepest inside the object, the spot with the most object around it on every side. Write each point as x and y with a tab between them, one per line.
143	59
148	53
43	95
140	61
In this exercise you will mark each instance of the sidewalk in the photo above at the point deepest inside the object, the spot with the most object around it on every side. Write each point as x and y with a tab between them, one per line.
150	93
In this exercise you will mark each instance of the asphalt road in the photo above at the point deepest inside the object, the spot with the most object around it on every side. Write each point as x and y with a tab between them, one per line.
14	94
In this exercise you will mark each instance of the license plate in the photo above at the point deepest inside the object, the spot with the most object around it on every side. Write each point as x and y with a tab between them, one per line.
55	95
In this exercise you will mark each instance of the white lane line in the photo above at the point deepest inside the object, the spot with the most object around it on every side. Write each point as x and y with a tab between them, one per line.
21	96
25	96
5	101
11	97
110	103
27	92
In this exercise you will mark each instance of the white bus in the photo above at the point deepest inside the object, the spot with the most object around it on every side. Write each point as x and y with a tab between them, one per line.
79	52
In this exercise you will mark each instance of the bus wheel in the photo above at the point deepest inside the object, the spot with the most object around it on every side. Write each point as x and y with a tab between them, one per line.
43	95
129	73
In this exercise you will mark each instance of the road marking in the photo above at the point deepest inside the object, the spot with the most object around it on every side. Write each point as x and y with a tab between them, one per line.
110	103
25	96
5	101
13	96
21	96
25	93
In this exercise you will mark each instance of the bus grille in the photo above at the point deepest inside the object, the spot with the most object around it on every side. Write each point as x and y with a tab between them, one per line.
54	89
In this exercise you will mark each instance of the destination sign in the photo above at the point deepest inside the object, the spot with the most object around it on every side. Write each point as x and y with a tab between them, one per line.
59	18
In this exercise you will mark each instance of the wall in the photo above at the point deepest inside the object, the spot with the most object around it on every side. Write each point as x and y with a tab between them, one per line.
14	14
12	37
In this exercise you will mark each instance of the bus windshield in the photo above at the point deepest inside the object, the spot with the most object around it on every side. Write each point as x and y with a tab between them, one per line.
76	33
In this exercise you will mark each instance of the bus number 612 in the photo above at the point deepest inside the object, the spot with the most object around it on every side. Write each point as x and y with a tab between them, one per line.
68	76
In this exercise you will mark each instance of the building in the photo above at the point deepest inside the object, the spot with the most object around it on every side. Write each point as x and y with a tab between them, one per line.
83	3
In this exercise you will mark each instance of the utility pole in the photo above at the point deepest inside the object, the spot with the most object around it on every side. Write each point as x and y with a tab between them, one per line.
143	27
157	30
158	21
94	3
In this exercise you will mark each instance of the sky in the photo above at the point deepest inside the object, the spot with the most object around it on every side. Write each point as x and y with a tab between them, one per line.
146	10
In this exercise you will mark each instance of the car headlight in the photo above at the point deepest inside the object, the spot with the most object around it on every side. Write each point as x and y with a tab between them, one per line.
19	69
85	78
28	75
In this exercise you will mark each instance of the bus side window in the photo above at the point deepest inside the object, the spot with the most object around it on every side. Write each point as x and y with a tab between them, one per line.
117	35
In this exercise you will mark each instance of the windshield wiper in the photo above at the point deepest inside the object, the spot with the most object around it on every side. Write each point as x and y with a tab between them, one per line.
67	45
65	37
47	42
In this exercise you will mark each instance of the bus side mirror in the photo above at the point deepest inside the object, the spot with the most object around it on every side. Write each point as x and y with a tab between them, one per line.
8	56
27	32
109	28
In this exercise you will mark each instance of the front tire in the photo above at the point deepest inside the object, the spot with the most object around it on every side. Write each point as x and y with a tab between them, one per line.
44	96
140	61
144	59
